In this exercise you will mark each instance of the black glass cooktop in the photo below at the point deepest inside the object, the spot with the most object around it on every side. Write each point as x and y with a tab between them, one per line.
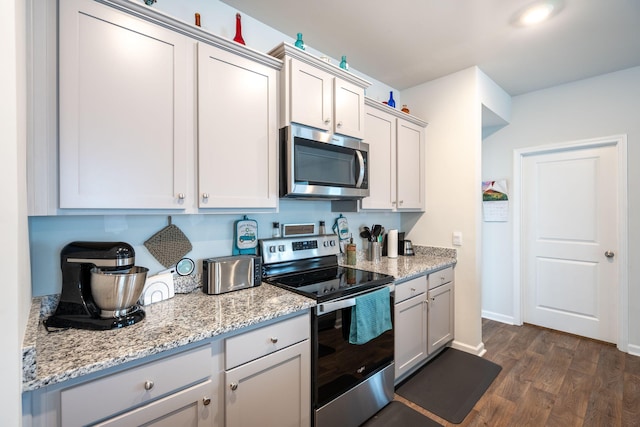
331	282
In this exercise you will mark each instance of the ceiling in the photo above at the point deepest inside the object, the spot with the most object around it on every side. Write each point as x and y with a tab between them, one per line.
407	42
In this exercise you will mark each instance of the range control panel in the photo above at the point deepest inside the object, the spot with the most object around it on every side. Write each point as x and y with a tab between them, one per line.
297	248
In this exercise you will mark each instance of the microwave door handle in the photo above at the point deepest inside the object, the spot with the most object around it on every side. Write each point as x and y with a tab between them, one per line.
361	174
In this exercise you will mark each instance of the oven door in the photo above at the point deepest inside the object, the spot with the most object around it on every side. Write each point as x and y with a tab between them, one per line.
339	366
321	165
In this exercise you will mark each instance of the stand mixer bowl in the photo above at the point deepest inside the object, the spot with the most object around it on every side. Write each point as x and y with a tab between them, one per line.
116	292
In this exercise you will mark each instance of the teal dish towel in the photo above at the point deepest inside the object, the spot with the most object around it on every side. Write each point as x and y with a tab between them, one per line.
370	317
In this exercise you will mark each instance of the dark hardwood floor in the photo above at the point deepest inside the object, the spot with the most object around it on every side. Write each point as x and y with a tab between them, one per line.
550	378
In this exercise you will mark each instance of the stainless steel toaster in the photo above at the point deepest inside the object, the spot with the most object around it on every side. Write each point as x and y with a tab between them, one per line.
231	273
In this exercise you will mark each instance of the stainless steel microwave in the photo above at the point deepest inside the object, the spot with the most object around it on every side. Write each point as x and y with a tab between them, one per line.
321	165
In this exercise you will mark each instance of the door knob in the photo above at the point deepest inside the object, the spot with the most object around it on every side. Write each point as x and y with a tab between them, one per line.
609	254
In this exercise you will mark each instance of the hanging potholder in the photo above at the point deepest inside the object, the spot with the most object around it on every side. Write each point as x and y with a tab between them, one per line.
168	245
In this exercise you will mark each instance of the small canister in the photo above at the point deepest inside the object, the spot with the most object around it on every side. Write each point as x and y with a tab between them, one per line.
351	252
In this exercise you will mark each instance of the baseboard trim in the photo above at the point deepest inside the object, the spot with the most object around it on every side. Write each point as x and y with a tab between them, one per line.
633	350
478	350
502	318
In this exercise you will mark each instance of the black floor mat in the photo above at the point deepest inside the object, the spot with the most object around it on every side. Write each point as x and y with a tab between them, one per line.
450	384
399	414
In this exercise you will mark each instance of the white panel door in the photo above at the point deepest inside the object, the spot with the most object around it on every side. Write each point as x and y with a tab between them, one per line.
569	241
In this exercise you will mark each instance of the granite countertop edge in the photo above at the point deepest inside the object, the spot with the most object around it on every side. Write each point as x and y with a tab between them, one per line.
52	358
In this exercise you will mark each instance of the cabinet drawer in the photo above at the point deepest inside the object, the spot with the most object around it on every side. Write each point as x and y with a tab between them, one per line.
441	277
267	339
410	288
95	400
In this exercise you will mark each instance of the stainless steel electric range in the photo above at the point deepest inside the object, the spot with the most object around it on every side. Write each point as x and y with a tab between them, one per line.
350	382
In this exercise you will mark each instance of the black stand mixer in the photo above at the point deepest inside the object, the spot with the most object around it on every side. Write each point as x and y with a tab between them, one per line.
100	287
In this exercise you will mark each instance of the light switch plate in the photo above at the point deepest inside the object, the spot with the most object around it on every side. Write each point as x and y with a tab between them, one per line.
457	238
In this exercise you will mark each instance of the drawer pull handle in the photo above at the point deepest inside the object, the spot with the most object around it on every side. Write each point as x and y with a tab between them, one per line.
233	386
148	385
413	289
206	401
274	339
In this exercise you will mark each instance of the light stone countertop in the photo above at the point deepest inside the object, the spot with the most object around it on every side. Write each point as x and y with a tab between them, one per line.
51	358
54	357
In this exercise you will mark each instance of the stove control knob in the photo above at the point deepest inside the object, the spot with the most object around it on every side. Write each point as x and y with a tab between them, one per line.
326	243
281	248
272	249
332	242
325	291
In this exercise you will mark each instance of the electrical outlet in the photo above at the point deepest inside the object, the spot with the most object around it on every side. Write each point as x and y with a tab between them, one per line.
457	238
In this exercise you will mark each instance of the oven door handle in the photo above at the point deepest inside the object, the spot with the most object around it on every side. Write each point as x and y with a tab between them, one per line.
328	307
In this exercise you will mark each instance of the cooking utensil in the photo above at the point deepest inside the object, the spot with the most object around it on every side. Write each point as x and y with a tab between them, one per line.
365	233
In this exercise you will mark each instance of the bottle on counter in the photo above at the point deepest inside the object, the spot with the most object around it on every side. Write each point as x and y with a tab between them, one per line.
321	228
276	230
351	252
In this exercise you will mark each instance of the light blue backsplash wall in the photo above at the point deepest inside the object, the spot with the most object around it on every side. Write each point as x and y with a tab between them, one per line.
211	234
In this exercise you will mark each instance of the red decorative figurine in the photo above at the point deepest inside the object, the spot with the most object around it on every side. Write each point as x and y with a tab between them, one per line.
238	38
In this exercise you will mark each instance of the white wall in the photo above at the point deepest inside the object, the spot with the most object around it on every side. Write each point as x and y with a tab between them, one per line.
14	260
452	107
220	19
595	107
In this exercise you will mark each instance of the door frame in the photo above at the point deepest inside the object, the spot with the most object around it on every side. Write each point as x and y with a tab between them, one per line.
620	143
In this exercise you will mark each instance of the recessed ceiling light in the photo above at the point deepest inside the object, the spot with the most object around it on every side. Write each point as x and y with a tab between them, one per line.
537	12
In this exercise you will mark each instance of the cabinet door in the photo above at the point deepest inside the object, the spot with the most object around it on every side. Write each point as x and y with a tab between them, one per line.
193	407
441	315
311	95
274	390
237	131
410	334
411	152
348	109
380	134
124	98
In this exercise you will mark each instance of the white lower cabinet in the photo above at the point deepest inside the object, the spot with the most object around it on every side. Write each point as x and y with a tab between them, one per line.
441	306
186	408
259	376
411	325
273	389
424	319
164	385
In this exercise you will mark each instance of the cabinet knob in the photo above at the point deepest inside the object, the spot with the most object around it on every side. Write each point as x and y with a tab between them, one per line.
274	339
205	196
181	196
148	385
393	203
206	401
233	386
413	289
609	254
401	202
327	121
339	124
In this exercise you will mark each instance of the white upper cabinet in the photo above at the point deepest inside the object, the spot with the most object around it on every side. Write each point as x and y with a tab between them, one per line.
125	89
396	159
411	159
380	134
318	94
237	131
153	114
